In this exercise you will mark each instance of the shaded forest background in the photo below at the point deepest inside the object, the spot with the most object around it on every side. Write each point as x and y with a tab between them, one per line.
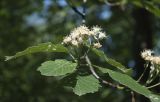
130	27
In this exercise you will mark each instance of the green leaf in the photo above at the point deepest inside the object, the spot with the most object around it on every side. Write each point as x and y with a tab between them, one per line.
154	98
44	47
57	67
130	83
86	84
127	81
69	80
112	61
148	5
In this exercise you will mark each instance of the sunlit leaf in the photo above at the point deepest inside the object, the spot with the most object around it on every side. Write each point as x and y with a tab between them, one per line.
57	67
44	47
130	83
112	61
154	98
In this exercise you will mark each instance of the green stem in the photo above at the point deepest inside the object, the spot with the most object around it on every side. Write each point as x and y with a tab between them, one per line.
146	66
112	4
71	55
91	68
133	96
153	85
97	76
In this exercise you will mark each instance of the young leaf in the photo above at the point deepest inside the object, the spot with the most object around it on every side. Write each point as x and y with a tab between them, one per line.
112	61
44	47
57	67
130	83
86	84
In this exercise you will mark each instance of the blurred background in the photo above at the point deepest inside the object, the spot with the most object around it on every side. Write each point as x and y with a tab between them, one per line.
131	26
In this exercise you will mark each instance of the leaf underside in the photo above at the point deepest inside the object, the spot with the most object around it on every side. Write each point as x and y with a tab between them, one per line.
86	84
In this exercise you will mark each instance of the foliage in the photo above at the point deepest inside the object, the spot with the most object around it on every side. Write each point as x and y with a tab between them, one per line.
20	82
112	62
44	47
130	83
151	6
85	84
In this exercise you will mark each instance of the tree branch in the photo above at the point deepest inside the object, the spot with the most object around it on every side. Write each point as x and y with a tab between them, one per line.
75	9
96	75
153	85
112	4
145	69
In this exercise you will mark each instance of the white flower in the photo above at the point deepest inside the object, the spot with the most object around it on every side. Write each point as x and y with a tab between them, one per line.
156	59
80	40
74	34
82	34
101	35
83	30
67	40
97	45
97	33
96	29
146	53
91	33
74	42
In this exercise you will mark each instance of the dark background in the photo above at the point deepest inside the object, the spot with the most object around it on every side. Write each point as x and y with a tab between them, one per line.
23	23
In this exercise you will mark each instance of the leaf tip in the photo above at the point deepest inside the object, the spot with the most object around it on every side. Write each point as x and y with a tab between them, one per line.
8	58
79	94
38	69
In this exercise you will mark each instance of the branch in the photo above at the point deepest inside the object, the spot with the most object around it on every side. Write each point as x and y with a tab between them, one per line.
112	4
153	85
96	75
146	66
91	68
75	9
84	11
133	96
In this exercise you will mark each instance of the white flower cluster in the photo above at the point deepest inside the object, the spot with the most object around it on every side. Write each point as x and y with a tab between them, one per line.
147	55
155	63
83	33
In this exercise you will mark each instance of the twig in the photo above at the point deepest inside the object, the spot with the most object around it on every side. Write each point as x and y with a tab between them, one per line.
133	96
146	66
75	9
91	68
112	4
96	75
73	57
83	64
84	12
153	85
